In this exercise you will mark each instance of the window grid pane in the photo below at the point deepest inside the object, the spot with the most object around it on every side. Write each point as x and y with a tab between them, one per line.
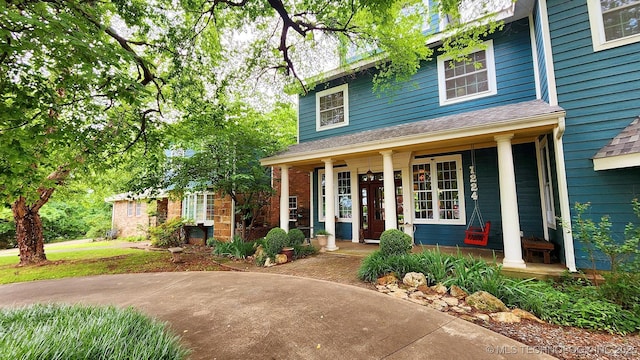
620	18
210	200
422	191
466	77
200	207
293	208
344	195
332	109
323	210
448	190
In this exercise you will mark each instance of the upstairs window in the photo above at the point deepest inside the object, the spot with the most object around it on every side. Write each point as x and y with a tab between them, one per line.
614	22
465	80
332	108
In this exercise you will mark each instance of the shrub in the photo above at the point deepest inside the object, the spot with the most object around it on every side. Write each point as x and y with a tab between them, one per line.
275	240
296	237
301	251
84	332
395	242
169	234
377	264
622	288
236	248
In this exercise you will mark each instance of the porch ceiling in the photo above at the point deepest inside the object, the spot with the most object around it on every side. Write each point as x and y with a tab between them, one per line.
525	120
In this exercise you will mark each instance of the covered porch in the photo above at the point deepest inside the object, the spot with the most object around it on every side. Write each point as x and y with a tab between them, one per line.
427	178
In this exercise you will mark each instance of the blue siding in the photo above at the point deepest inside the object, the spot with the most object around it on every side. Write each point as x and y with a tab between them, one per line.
599	91
542	65
529	206
418	98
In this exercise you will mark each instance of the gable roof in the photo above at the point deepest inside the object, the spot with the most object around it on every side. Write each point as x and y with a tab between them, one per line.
622	151
473	123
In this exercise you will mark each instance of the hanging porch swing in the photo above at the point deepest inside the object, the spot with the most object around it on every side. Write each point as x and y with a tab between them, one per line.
476	235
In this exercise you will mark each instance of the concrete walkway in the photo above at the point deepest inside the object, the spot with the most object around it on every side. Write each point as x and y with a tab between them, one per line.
234	315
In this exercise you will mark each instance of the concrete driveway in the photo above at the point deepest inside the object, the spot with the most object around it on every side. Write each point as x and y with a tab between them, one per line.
242	315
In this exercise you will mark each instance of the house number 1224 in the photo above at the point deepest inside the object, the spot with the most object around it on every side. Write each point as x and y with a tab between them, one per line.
473	180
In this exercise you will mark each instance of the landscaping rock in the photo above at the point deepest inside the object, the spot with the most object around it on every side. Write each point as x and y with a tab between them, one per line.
451	301
505	317
439	288
259	252
268	262
417	295
418	301
423	288
483	317
399	294
388	279
281	258
459	310
414	279
457	292
523	314
484	301
439	305
383	289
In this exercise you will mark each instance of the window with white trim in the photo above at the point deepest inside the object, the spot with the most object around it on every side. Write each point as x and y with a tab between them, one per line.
438	191
465	80
293	208
547	185
130	208
332	108
342	193
198	207
614	22
138	208
322	210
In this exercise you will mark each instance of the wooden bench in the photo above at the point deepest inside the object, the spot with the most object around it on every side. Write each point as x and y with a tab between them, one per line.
531	245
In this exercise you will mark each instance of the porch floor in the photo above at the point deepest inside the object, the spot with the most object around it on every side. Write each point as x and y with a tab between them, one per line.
537	270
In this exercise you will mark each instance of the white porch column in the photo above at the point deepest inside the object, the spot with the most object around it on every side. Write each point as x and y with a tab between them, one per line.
284	197
563	194
355	207
407	191
330	205
390	216
509	204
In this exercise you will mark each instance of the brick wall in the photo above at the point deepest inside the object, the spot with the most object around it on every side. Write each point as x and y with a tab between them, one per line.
174	209
299	182
222	217
130	225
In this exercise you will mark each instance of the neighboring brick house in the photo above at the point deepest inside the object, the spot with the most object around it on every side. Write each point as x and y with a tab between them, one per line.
211	214
133	215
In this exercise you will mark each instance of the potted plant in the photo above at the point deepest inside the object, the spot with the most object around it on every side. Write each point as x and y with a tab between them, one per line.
295	238
323	237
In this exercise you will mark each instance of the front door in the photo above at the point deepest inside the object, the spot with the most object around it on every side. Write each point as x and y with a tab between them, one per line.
372	203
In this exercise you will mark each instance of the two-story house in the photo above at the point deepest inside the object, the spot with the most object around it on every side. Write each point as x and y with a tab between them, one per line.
539	125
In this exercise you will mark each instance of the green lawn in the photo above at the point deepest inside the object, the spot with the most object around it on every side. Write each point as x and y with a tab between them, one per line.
84	262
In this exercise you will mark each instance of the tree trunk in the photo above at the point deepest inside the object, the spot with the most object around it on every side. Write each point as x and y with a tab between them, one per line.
28	233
